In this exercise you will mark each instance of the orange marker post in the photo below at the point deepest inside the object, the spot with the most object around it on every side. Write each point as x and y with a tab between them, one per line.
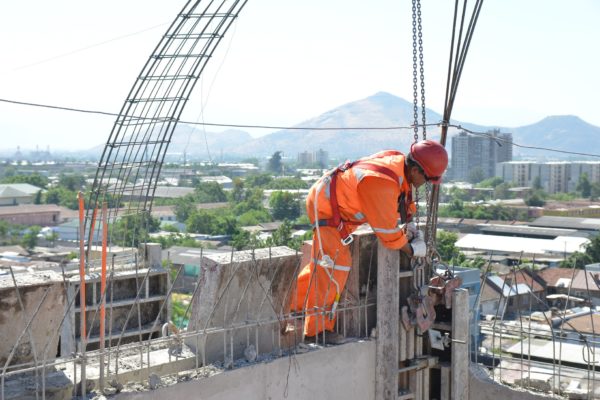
82	330
103	290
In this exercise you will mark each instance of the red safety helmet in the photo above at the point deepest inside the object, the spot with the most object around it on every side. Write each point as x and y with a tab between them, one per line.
431	157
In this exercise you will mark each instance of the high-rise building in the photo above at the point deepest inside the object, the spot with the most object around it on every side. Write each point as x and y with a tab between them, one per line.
320	158
472	153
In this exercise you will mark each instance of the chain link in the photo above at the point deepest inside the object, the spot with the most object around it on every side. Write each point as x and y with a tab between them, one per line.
415	79
421	68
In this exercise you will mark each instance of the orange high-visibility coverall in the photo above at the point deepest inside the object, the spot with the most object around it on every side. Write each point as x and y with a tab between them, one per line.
364	196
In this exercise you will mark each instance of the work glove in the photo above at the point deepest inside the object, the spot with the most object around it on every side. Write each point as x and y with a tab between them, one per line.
410	230
418	245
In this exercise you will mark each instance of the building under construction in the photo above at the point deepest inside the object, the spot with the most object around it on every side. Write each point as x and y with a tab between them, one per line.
105	329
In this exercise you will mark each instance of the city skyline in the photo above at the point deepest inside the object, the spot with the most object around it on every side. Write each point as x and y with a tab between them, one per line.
281	71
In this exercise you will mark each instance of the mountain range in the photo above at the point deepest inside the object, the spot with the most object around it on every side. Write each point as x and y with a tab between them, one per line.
566	133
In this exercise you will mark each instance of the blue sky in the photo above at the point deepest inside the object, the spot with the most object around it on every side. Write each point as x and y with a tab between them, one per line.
287	61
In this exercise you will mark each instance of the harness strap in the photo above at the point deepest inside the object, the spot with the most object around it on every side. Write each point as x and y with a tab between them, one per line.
336	220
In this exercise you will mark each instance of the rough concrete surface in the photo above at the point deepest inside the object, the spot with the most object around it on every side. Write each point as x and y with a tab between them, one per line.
235	293
32	287
340	372
482	387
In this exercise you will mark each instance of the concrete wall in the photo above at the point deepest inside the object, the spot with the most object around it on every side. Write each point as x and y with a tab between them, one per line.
34	288
340	372
243	290
481	387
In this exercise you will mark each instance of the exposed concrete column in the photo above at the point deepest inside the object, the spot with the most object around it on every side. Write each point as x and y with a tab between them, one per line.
43	297
460	345
388	318
240	300
152	255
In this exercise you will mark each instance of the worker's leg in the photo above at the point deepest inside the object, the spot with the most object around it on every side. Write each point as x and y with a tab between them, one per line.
302	284
319	284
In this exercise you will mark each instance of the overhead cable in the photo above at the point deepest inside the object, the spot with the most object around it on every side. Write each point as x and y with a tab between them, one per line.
314	128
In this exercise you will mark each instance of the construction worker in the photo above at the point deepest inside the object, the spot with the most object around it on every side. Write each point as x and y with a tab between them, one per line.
374	190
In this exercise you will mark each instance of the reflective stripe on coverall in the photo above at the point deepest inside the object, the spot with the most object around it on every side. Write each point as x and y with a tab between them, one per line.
363	196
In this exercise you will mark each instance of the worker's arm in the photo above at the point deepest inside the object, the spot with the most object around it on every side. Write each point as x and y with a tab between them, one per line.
379	203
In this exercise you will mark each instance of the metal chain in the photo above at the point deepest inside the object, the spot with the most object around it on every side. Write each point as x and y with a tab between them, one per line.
415	79
421	68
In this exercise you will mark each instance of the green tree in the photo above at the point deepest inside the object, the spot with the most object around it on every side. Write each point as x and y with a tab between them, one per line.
258	180
490	182
254	201
590	254
184	207
63	197
535	200
33	179
501	191
583	186
238	192
209	192
445	244
282	236
476	175
287	183
38	197
537	183
133	229
592	249
578	260
284	205
170	228
52	237
202	221
30	238
254	217
595	191
275	165
73	182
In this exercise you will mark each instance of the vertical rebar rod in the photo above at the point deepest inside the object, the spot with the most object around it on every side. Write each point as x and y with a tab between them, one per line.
103	291
138	289
560	342
82	329
110	312
593	380
14	348
29	332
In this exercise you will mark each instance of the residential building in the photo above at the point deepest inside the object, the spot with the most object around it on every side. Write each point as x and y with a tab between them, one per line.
319	157
470	153
509	293
553	177
32	214
572	282
13	194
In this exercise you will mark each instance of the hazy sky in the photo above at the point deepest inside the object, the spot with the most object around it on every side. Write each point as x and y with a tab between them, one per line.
287	61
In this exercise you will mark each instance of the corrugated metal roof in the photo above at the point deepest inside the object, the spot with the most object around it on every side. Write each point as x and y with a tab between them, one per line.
507	289
511	244
567	223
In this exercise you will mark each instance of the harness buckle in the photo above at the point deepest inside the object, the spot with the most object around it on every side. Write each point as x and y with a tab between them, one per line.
347	240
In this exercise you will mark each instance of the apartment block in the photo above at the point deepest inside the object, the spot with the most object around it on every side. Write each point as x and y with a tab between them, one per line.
471	152
554	177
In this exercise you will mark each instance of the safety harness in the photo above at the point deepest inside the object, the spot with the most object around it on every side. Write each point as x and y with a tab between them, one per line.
336	220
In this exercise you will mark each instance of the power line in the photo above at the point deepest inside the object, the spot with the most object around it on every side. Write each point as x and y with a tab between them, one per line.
88	47
305	128
210	123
